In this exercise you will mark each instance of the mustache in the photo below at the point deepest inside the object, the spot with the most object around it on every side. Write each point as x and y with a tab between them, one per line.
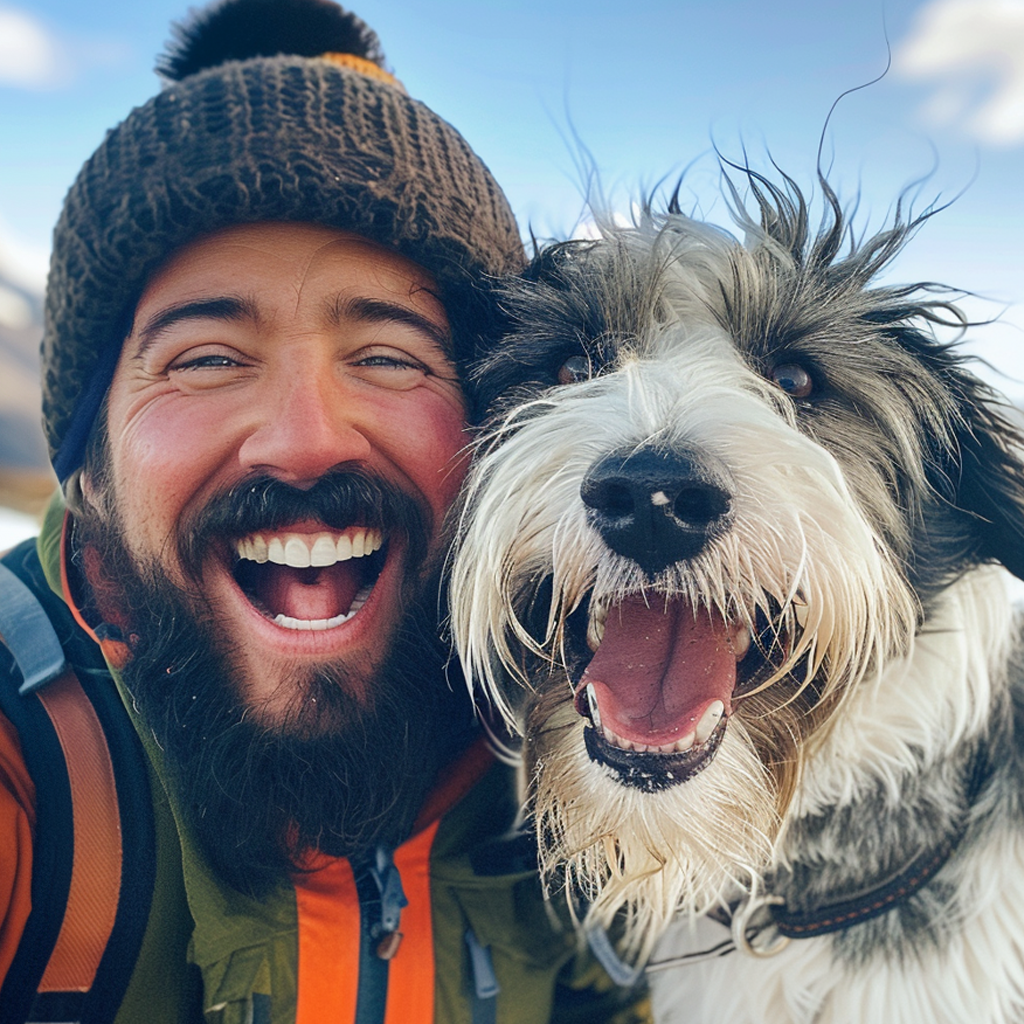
338	500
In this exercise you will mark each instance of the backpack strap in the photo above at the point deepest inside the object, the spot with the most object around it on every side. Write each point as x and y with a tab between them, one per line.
27	632
92	874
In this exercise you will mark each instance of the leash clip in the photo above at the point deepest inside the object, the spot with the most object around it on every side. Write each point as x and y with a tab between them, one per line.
746	931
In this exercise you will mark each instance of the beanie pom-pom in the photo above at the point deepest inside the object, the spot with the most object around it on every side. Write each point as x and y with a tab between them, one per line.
242	29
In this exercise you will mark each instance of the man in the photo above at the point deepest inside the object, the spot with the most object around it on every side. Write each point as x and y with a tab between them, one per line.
263	285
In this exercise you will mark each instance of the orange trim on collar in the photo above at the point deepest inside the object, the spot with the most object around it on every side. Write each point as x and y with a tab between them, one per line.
458	779
114	651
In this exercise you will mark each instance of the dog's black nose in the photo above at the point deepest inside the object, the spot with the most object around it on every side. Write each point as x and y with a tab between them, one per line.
657	506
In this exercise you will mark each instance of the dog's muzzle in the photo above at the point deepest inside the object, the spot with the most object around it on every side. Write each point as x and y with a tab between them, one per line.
657	506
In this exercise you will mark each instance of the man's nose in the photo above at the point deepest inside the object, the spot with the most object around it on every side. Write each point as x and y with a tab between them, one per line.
307	425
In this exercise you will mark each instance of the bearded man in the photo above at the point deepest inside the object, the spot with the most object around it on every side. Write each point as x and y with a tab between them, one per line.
239	781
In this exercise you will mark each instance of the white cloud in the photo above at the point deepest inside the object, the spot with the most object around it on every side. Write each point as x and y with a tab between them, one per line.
29	54
21	262
974	49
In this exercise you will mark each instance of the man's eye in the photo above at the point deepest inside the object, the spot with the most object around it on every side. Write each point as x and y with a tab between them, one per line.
393	370
393	362
206	362
574	370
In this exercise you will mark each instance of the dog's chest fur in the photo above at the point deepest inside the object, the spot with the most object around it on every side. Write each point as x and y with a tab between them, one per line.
885	787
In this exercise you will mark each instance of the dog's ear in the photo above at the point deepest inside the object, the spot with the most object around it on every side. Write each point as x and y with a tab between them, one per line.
991	480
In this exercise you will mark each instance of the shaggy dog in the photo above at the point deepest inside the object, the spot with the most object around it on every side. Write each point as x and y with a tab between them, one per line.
734	563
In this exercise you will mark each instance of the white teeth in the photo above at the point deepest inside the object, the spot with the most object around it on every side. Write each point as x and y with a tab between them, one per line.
312	624
705	727
296	554
684	744
595	711
741	643
324	551
595	625
679	747
711	717
360	599
301	551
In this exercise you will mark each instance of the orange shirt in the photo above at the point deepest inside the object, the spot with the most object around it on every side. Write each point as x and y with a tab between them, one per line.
17	825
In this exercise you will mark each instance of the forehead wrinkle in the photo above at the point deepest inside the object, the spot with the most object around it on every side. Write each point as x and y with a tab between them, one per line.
227	308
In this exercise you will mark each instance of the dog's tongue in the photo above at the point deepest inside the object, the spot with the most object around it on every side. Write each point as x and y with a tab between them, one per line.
658	668
313	593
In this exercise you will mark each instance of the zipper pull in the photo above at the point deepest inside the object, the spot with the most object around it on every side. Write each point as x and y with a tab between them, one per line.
392	900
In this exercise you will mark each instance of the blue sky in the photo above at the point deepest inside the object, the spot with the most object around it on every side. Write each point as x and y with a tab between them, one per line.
644	88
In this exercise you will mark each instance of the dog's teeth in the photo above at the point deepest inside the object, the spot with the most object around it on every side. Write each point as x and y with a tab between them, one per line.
595	626
595	711
741	643
616	741
711	717
683	745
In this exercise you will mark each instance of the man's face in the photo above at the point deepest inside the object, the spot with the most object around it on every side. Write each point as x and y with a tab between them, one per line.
281	353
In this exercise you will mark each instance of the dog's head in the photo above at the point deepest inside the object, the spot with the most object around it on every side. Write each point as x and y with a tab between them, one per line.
718	488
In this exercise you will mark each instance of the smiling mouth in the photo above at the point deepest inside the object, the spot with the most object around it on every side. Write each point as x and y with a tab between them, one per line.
658	683
303	580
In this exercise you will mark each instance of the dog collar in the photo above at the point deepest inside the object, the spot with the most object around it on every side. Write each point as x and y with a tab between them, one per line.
768	915
892	891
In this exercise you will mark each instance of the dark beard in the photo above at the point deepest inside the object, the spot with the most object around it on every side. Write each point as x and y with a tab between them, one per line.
333	775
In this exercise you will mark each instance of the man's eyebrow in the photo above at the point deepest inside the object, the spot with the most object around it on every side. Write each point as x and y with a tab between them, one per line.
382	311
226	307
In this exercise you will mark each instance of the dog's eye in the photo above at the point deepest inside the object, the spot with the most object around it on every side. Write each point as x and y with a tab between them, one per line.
793	379
574	370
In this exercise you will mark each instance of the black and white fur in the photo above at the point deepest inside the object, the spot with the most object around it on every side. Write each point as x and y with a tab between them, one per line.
758	442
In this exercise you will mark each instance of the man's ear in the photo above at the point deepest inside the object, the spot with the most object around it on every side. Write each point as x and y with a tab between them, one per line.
77	492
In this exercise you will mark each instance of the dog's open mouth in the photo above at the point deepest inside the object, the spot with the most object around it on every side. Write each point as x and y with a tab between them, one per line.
659	688
309	581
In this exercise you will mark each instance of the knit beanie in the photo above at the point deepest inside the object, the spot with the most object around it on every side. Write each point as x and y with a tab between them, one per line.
273	110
